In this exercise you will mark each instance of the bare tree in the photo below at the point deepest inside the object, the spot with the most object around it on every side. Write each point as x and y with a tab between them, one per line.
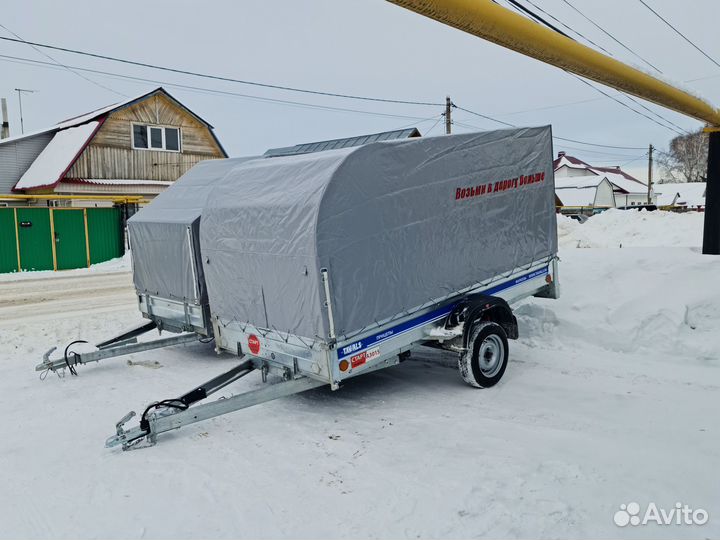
686	158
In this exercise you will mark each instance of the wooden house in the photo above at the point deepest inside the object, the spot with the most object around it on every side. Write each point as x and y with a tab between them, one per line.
136	147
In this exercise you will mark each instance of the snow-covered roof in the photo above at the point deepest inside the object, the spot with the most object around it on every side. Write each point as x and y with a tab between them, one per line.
97	113
590	180
615	175
690	194
76	121
616	170
57	157
563	160
71	136
619	180
571	196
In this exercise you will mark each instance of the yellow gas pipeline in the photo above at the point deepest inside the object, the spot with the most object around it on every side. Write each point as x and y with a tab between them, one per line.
489	21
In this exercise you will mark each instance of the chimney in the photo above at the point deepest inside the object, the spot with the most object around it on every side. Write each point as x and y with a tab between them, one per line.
5	130
561	153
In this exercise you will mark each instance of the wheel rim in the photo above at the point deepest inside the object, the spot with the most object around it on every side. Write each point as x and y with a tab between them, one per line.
491	355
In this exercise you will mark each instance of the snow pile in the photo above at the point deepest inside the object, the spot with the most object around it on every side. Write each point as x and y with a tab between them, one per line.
656	301
629	228
651	300
119	264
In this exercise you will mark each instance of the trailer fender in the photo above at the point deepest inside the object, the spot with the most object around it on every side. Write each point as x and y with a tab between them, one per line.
478	308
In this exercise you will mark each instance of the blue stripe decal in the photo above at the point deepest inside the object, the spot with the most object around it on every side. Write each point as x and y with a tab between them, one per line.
364	343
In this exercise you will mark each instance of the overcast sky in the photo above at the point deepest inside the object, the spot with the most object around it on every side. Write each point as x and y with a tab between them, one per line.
362	47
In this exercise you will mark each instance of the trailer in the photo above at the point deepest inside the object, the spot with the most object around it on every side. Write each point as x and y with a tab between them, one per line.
165	246
167	273
322	267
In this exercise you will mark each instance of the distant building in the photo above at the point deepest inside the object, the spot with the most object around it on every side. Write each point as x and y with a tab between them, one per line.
689	195
591	192
628	190
136	147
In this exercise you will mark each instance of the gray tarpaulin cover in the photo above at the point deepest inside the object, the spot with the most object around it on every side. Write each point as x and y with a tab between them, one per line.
395	223
162	258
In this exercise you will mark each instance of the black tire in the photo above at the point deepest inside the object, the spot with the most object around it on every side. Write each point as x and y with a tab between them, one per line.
491	339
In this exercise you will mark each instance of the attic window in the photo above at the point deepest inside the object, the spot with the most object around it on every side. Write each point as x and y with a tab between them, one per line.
145	137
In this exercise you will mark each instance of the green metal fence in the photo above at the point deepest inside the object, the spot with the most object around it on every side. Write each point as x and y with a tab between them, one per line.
58	238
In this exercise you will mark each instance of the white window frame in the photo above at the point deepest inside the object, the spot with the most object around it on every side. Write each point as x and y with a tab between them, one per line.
162	132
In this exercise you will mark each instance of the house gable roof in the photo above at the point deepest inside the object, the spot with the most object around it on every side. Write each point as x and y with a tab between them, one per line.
615	175
52	162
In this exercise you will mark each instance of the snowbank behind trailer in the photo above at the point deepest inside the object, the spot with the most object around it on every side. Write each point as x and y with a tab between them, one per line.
396	225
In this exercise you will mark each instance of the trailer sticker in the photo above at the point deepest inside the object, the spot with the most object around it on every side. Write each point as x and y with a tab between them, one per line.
365	356
358	359
254	344
431	316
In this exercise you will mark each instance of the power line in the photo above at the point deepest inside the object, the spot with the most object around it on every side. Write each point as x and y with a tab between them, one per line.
634	159
434	125
537	18
633	110
437	117
679	33
280	101
540	20
203	90
558	106
573	30
596	25
64	66
222	78
519	7
486	117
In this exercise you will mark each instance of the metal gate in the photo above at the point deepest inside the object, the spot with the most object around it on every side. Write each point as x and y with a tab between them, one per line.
33	238
8	241
71	245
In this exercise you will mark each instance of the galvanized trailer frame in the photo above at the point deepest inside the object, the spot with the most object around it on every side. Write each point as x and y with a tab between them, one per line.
305	363
121	345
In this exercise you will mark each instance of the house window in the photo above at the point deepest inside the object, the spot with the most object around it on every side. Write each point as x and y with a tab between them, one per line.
156	138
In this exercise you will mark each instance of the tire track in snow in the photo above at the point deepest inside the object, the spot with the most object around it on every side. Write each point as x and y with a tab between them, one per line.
49	298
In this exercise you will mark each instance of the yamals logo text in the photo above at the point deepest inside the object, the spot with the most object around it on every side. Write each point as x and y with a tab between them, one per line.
680	514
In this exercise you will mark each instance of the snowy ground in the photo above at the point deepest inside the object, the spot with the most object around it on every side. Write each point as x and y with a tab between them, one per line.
611	397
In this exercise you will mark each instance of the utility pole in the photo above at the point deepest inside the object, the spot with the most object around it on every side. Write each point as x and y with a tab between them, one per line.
20	91
448	115
650	170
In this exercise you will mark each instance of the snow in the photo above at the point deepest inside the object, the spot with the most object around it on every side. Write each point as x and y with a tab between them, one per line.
76	121
579	181
692	194
120	264
629	186
565	162
610	397
576	196
632	228
56	157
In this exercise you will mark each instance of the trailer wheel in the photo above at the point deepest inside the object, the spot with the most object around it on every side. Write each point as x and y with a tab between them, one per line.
484	363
